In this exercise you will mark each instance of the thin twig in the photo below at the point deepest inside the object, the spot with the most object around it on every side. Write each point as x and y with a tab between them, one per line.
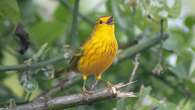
136	65
161	43
158	68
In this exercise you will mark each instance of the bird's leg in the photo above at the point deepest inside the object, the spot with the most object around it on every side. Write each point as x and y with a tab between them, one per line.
84	83
84	90
93	86
97	77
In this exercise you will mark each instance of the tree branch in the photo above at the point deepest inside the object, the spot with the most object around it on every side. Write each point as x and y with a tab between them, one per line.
75	99
127	53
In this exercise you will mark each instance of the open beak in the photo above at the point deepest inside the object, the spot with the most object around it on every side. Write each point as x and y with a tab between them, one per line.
110	20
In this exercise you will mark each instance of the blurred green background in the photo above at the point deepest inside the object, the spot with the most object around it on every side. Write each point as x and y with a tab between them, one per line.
165	79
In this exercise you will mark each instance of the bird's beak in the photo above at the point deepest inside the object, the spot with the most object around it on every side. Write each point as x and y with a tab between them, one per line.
110	20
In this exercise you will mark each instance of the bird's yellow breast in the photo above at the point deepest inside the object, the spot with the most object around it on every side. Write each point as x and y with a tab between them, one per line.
98	53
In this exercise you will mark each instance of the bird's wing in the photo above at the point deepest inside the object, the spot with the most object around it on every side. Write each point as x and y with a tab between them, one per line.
73	62
77	54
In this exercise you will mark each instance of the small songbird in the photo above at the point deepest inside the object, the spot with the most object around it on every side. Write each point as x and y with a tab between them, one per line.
99	51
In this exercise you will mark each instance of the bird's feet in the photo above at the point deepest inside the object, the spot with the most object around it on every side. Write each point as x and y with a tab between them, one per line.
86	92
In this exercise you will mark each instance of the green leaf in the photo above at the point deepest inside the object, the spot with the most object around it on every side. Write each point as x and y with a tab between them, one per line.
161	8
46	32
178	40
185	105
117	14
166	91
143	94
184	62
166	106
190	21
9	11
190	85
62	14
179	70
27	10
175	9
141	21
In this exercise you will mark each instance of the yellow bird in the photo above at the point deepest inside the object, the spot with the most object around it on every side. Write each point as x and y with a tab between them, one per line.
99	51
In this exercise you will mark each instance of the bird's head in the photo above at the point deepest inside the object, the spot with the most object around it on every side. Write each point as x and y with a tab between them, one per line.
105	22
104	28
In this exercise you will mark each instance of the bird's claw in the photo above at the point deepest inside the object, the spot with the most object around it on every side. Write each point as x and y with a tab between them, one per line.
86	92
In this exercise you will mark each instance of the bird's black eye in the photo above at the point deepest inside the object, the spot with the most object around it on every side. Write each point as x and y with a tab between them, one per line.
101	21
